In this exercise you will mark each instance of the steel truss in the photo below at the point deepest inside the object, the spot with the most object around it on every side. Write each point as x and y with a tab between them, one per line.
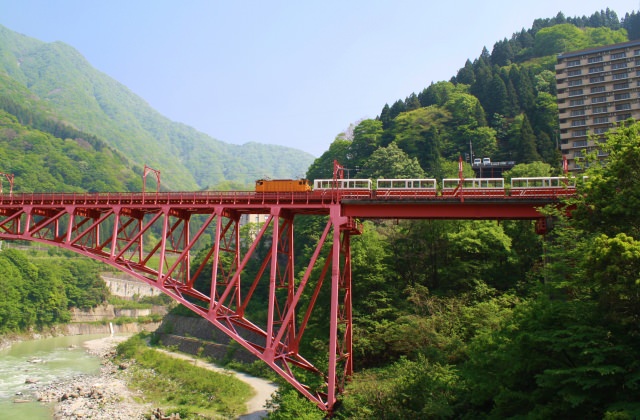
198	256
192	246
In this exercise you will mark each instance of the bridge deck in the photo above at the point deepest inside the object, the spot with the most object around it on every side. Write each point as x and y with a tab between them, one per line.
361	205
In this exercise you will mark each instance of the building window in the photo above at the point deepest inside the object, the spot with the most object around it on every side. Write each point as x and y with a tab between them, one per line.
576	102
619	96
619	86
578	123
598	59
622	107
623	117
577	112
575	92
576	82
599	109
616	66
600	130
598	89
581	143
579	133
598	99
618	55
574	72
619	76
596	79
601	120
596	69
573	63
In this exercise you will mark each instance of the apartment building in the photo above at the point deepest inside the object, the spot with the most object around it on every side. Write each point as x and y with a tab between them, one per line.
597	89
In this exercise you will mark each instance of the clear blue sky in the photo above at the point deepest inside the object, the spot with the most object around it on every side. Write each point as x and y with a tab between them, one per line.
293	73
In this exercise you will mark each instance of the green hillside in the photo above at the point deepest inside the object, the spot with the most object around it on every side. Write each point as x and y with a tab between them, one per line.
501	105
92	102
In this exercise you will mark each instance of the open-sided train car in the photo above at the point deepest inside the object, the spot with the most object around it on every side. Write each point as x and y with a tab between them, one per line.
473	187
353	187
542	186
406	187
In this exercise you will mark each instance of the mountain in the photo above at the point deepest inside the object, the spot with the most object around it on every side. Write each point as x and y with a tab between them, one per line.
501	105
92	102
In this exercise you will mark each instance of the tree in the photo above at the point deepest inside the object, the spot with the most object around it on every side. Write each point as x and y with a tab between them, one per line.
523	141
417	133
412	102
502	53
391	162
632	25
465	74
366	139
438	93
498	100
521	81
552	359
397	108
612	191
604	36
476	252
48	296
545	119
558	39
467	122
545	81
322	167
533	169
385	117
613	266
11	284
483	140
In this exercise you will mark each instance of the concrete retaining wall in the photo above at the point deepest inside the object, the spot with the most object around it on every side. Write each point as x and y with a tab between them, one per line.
197	336
130	328
107	312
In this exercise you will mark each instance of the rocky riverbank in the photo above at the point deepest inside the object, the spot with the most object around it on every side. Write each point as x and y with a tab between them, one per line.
101	397
106	395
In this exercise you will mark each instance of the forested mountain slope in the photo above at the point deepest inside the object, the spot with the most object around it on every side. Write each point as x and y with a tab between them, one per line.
92	102
500	105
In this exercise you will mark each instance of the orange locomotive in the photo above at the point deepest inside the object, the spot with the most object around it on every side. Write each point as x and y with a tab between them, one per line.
283	185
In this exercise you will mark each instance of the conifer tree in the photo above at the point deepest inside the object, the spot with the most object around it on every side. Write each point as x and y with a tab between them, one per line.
527	152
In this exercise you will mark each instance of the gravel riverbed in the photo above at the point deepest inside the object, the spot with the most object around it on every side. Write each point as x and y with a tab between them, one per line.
102	396
105	396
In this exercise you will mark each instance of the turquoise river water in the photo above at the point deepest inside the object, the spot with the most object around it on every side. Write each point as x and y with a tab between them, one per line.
45	361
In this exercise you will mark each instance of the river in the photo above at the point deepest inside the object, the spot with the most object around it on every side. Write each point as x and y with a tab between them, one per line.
44	361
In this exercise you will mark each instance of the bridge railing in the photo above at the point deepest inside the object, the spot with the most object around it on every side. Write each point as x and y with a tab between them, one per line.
161	198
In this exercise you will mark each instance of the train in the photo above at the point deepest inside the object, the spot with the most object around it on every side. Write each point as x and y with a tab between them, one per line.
426	187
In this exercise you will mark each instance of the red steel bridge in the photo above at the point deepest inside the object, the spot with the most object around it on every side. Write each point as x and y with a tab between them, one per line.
154	236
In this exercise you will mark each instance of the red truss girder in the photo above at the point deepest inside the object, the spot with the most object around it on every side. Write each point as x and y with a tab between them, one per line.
155	244
154	237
